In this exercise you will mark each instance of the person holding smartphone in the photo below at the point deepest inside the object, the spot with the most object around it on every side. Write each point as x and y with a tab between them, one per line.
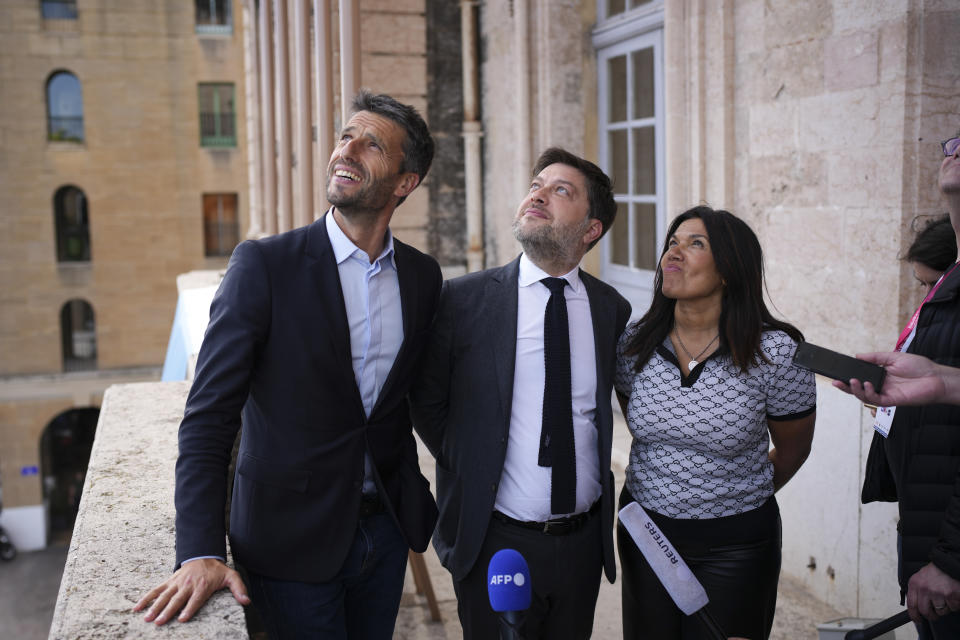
918	463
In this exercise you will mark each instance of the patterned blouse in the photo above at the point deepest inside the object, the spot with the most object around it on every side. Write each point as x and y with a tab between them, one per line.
700	443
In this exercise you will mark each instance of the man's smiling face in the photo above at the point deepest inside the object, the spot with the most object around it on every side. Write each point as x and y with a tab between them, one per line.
366	167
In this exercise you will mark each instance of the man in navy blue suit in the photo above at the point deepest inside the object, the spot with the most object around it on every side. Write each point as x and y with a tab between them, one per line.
313	339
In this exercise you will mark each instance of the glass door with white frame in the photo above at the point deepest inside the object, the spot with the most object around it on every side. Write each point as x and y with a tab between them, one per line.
631	152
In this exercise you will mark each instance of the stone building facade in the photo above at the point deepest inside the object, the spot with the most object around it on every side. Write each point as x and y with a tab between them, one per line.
121	166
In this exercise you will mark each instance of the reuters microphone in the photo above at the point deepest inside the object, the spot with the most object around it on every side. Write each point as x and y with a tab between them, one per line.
508	585
673	573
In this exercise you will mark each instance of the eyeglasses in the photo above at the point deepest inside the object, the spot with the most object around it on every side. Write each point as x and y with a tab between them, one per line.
951	146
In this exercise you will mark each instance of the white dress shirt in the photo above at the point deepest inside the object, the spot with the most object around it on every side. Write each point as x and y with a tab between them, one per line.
524	491
371	294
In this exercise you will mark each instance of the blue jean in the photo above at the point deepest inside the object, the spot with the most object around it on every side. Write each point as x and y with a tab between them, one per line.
359	603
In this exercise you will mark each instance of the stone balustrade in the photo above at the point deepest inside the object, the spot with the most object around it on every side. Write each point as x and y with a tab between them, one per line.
123	540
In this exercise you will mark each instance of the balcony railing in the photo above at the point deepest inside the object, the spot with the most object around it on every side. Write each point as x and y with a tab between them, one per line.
215	29
65	128
217	129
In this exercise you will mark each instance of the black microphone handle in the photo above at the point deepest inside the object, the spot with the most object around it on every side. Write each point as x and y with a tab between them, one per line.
880	628
713	628
510	623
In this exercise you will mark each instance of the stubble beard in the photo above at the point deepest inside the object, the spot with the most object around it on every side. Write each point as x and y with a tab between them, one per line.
366	202
547	244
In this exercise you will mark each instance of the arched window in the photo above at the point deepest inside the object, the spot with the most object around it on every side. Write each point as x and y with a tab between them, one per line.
78	334
72	222
65	455
64	107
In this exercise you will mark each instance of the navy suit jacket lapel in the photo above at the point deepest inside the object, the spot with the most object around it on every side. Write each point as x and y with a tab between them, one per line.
331	309
409	303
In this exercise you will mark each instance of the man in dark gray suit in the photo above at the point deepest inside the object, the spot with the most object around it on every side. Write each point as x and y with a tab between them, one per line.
514	401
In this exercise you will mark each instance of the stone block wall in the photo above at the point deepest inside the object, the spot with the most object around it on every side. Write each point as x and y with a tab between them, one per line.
819	122
143	172
141	167
560	79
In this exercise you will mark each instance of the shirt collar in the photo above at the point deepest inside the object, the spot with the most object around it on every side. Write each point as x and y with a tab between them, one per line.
343	246
531	273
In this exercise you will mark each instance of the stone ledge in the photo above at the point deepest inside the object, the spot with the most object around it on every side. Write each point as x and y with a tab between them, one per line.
123	540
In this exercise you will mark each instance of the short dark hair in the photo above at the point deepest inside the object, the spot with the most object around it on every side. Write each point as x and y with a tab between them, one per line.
417	144
599	189
744	316
935	244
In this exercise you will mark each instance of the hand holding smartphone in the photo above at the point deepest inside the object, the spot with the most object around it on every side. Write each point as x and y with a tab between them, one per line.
837	365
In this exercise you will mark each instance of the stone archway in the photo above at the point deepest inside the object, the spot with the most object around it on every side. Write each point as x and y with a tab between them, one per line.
64	454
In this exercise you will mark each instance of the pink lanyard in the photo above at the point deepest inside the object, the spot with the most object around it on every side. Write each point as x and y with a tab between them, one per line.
907	330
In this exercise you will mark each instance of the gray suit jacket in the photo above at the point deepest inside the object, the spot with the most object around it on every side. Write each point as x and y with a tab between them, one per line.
462	402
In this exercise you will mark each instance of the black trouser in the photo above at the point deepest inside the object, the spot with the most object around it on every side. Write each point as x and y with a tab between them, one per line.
564	576
739	575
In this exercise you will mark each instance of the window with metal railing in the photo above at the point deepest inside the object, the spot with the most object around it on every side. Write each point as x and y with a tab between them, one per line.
72	223
213	17
64	107
58	9
221	229
217	116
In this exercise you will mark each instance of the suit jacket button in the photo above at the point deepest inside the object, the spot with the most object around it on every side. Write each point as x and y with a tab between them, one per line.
493	487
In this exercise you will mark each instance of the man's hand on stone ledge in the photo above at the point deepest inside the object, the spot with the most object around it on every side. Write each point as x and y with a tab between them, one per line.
189	588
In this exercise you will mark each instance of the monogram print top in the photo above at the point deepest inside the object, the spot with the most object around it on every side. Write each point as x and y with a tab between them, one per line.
700	443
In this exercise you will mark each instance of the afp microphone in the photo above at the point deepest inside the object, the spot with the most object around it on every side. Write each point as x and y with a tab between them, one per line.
508	585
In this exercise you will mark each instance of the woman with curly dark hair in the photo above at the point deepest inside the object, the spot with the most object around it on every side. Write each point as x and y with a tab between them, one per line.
706	382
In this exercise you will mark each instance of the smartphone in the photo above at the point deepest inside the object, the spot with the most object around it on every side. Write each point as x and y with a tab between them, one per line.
837	365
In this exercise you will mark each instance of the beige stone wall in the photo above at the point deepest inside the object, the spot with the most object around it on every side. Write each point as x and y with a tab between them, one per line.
21	426
819	122
393	44
561	79
143	171
141	167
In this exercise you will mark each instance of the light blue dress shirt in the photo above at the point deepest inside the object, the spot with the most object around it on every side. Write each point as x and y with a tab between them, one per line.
371	294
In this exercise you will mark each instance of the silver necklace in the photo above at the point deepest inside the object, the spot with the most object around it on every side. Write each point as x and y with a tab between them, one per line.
694	361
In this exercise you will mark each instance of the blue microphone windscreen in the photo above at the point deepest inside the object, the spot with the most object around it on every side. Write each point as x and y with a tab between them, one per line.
508	581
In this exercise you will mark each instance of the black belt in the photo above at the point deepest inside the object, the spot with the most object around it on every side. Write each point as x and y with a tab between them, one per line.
558	527
371	505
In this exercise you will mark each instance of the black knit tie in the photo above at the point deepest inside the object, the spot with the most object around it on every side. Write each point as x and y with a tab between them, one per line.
556	435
